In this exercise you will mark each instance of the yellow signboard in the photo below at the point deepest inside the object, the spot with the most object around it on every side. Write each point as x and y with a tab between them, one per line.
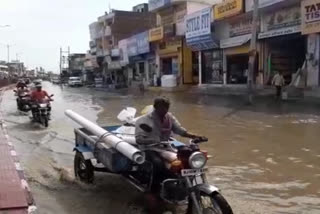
155	34
310	11
228	8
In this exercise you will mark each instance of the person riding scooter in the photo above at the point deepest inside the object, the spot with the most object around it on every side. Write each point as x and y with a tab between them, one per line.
161	124
38	96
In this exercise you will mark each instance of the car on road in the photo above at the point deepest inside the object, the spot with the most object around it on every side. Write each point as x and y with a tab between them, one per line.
75	81
55	80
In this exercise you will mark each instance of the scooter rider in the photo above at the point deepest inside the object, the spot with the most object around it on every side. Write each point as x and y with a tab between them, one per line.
161	124
38	96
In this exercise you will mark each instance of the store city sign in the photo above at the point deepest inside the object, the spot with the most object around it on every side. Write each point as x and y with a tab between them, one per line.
198	24
228	8
155	34
310	10
262	3
155	4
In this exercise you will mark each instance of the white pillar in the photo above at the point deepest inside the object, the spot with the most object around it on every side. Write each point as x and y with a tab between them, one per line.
146	68
313	53
200	67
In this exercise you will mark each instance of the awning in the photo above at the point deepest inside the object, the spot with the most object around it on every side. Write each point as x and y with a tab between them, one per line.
235	41
204	42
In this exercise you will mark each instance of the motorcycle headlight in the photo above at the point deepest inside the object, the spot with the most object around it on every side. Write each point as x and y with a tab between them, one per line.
197	160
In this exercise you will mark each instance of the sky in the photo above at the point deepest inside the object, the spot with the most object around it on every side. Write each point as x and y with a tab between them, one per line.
38	28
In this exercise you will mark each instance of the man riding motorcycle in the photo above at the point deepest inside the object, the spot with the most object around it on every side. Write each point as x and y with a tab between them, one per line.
38	96
161	124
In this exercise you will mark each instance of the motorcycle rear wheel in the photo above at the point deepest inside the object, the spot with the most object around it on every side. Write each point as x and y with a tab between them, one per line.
213	203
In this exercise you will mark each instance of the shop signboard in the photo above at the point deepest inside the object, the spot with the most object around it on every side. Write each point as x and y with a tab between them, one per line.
310	10
122	44
143	42
282	18
282	22
170	46
280	32
228	8
132	46
155	4
155	34
240	27
262	3
198	30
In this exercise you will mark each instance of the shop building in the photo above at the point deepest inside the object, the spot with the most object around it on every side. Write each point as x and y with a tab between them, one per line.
173	56
206	62
233	28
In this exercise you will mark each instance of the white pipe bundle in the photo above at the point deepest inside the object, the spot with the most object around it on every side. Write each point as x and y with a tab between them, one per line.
110	139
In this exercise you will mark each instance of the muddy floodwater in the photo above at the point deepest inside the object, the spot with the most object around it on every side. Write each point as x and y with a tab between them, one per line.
265	158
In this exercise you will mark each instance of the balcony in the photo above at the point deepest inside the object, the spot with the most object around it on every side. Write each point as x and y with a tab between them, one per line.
107	31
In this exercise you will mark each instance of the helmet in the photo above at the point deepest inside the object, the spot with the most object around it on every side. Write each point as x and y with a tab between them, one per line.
38	85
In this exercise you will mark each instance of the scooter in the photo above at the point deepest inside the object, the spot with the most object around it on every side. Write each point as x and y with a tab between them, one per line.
183	182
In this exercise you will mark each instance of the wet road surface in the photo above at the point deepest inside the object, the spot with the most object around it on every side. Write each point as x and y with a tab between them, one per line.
265	158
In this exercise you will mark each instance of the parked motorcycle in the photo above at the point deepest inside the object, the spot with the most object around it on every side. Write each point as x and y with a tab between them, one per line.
41	112
183	182
23	100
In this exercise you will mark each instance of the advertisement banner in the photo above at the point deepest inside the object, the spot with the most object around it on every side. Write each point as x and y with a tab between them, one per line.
284	18
132	46
143	42
155	4
262	4
240	27
155	34
228	8
310	11
122	44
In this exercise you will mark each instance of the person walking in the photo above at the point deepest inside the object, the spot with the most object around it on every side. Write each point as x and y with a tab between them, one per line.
278	82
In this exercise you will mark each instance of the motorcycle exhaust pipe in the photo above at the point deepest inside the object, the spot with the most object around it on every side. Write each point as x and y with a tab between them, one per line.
110	139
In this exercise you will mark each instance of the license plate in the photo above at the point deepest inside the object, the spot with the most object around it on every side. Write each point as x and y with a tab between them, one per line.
192	172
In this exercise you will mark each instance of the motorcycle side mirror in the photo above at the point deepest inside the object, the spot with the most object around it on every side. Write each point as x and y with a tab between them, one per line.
51	95
146	127
14	90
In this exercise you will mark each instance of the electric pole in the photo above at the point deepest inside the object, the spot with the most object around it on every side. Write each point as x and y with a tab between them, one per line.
253	50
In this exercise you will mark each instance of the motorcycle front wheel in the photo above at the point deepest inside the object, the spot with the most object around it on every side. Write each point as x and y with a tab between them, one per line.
213	203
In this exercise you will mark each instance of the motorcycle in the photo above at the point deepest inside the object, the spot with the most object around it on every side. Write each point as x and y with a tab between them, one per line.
23	100
183	182
41	112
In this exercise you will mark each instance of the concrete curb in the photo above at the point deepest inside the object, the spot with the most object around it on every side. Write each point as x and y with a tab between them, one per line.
24	184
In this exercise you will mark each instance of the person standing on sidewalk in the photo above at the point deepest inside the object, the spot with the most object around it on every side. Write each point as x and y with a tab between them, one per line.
278	82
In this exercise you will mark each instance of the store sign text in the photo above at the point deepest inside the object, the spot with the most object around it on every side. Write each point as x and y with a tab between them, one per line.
228	8
155	34
198	23
310	16
280	32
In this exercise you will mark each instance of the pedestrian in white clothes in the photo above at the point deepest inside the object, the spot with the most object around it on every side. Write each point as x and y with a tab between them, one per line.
278	82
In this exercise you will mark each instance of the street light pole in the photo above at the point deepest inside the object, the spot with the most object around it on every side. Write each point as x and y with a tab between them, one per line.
253	50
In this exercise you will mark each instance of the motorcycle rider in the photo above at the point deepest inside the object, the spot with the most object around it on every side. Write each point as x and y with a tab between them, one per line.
38	96
161	124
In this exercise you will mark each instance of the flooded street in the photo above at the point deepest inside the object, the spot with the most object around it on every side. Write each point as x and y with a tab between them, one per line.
265	158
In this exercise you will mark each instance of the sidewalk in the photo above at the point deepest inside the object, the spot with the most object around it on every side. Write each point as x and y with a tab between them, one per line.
15	195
